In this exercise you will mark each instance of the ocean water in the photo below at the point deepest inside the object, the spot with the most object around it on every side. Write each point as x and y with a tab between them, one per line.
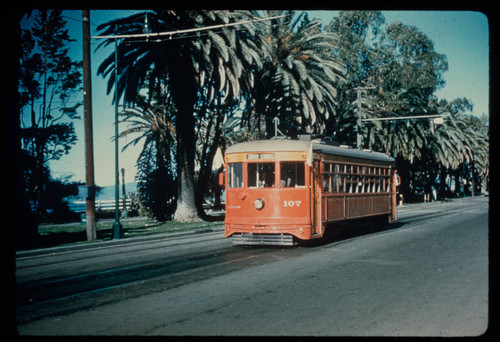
106	192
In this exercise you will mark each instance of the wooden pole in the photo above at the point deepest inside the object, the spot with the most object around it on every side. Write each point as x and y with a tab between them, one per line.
89	145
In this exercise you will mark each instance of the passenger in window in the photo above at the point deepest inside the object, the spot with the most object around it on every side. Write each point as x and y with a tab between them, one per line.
292	174
268	175
326	185
287	175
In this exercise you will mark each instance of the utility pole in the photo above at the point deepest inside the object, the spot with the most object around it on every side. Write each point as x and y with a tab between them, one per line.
359	120
89	144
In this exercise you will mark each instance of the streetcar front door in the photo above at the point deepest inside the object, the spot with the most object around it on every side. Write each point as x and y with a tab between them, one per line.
315	198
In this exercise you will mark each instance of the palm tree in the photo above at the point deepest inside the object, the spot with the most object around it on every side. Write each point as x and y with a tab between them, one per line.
149	122
187	64
152	125
298	82
462	141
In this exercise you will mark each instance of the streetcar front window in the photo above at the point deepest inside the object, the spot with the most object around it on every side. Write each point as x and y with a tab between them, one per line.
235	175
292	175
260	175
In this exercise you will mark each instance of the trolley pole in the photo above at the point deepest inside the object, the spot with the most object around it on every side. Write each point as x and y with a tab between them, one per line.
89	145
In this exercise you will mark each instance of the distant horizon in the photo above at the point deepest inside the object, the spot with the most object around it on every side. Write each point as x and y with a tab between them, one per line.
107	192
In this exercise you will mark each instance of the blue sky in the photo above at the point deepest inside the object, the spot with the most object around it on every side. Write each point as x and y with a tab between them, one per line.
463	36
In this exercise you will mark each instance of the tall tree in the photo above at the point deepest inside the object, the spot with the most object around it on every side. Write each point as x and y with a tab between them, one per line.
298	84
49	79
462	140
186	62
359	34
150	124
21	216
411	71
403	70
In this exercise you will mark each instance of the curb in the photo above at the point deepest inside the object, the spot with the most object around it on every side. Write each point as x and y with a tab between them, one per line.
122	241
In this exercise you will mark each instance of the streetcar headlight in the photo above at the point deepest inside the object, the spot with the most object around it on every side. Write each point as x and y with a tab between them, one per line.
259	203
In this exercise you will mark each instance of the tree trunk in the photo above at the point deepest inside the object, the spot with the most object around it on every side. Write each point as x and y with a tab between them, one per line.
23	232
208	154
457	182
186	204
403	167
442	183
184	96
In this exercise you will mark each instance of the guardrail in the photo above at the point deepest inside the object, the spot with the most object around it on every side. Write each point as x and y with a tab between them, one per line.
100	206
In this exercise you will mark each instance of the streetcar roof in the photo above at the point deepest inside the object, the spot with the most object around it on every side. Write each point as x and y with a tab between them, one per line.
299	145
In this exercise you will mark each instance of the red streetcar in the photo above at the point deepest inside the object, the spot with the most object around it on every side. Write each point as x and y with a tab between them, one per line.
280	192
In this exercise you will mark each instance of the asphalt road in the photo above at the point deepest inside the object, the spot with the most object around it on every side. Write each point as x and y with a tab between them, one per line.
426	275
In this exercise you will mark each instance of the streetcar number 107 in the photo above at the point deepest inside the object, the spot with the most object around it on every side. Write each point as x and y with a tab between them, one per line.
292	203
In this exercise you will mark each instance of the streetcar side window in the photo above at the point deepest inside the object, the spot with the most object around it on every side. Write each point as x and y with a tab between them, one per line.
342	176
335	180
292	174
326	183
235	175
327	169
260	175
